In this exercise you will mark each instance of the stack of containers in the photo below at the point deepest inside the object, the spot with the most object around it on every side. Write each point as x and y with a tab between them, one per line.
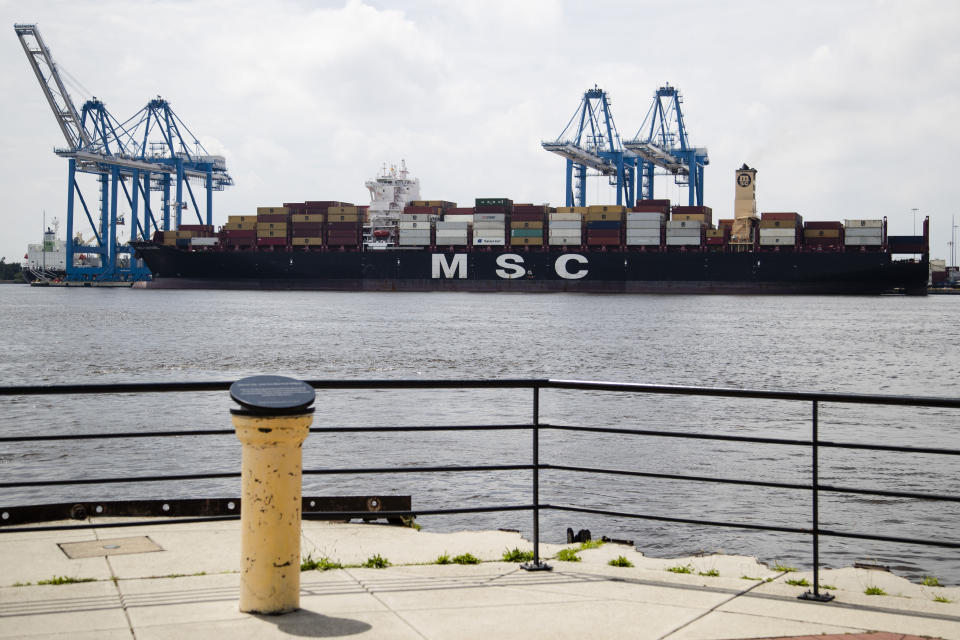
863	233
490	218
240	231
526	224
645	223
273	226
201	235
179	238
565	226
344	225
780	229
416	224
823	235
306	223
604	223
685	233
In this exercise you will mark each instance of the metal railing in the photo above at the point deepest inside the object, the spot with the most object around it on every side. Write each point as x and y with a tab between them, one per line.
535	427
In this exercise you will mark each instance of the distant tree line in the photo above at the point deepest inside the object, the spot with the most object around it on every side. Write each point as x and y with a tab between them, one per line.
10	270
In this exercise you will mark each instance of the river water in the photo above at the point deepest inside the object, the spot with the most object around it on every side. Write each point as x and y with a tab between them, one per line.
890	345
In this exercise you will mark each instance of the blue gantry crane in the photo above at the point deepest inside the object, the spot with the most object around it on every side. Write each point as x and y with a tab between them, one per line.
591	141
662	143
151	151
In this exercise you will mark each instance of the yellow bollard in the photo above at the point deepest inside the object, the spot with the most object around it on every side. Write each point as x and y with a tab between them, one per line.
272	432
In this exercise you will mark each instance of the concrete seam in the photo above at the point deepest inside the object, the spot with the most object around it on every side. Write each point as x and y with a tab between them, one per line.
715	607
116	585
388	607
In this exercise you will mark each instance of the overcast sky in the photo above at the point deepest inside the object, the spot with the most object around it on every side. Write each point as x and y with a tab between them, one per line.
847	109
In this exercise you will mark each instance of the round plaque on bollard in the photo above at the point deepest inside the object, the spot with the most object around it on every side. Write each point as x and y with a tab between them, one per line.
272	395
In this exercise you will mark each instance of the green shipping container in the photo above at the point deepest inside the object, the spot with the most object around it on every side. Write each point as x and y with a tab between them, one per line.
526	233
493	202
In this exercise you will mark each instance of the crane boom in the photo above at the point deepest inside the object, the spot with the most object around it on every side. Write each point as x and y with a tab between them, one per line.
46	71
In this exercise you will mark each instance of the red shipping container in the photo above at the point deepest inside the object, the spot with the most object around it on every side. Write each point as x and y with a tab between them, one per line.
823	224
693	209
344	226
716	240
526	217
490	209
773	215
654	202
651	208
603	241
307	229
265	242
325	204
239	234
203	228
530	208
460	211
273	217
421	209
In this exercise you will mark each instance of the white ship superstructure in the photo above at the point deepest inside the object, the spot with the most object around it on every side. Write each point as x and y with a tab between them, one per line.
49	258
390	192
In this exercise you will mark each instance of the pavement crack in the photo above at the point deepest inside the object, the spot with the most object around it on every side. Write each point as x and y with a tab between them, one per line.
374	595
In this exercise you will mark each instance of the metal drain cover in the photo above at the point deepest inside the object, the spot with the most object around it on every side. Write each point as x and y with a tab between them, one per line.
111	547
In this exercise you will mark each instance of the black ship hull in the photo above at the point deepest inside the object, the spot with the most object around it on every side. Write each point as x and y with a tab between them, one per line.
503	269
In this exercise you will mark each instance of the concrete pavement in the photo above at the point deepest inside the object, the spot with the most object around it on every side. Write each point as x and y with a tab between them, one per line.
186	585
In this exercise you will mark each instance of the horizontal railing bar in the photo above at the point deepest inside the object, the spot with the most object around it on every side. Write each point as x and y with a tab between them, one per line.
307	515
584	385
222	432
56	483
734	525
757	440
677	434
443	469
756	483
807	396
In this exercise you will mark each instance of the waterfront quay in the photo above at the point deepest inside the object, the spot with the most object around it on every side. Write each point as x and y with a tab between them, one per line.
182	580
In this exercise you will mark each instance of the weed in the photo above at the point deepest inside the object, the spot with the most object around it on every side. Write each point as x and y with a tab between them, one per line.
749	578
568	555
829	587
799	582
516	555
443	558
620	561
466	558
874	591
22	584
783	568
591	544
684	568
941	598
376	562
65	580
184	575
931	581
411	521
712	573
322	564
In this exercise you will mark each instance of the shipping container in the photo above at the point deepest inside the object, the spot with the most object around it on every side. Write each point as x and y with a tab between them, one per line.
684	232
643	240
238	234
654	202
778	233
606	242
325	204
857	223
341	210
767	241
276	226
783	216
565	217
644	216
487	240
447	225
343	217
602	224
599	216
524	209
526	240
692	217
823	224
307	229
644	224
821	233
569	210
488	224
526	217
565	224
308	241
271	242
493	202
272	211
489	217
680	241
526	233
241	226
863	232
272	217
232	219
307	217
863	241
459	211
684	224
514	224
458	217
718	233
423	224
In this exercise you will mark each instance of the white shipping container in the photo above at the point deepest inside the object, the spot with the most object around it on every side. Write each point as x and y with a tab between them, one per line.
684	224
863	241
565	241
768	241
488	225
446	225
683	240
645	216
778	233
413	242
203	242
491	241
451	235
683	233
565	224
862	223
644	233
567	217
565	233
644	224
489	217
413	225
459	217
644	240
864	232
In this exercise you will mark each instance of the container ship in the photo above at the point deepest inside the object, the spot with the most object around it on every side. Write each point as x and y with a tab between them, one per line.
402	243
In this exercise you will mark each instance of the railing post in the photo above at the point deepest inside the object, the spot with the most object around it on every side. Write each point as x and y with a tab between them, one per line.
815	486
272	424
536	565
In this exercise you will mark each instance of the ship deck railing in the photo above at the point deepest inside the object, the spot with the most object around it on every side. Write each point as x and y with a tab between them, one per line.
814	444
